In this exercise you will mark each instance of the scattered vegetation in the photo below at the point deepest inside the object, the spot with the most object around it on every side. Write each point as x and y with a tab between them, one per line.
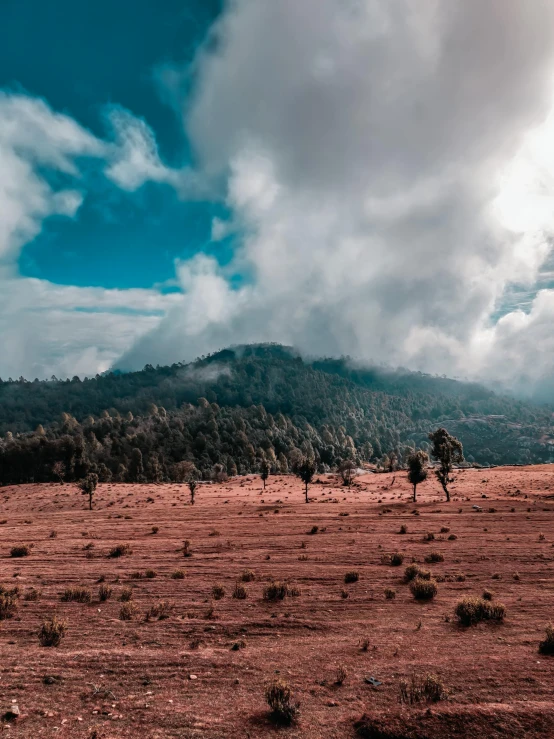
422	688
423	589
51	632
76	595
278	695
470	611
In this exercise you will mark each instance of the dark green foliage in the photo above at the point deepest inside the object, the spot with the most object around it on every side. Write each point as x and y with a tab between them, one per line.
304	467
238	408
417	468
87	486
448	451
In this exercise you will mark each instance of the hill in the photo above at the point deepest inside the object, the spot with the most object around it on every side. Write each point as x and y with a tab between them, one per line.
242	405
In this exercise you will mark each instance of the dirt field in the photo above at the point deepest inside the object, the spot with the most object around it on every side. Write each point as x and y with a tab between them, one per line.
181	677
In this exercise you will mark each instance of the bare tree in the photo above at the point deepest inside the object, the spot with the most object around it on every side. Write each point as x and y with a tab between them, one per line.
448	451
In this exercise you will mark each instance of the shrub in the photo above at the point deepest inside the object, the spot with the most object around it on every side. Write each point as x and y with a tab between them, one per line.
487	595
434	557
423	589
104	593
178	575
275	591
351	577
136	576
429	536
160	611
452	537
471	611
52	632
127	611
444	530
239	591
313	530
547	644
279	698
119	551
8	605
396	559
126	595
341	675
77	595
155	529
403	529
428	688
150	574
32	594
412	571
218	592
22	550
516	576
390	594
248	576
186	548
294	591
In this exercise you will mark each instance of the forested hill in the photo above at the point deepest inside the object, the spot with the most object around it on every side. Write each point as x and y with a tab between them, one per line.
240	406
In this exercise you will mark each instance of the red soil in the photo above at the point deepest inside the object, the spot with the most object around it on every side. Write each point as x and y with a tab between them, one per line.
133	679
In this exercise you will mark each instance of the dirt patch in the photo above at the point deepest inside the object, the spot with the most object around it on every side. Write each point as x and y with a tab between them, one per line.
180	673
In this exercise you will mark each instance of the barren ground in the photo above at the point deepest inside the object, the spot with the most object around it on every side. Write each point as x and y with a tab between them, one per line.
133	678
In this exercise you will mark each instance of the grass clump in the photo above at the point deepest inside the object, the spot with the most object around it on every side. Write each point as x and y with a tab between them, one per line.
278	696
547	644
8	604
127	612
429	536
178	575
150	574
470	611
32	594
414	570
239	591
52	632
119	551
104	593
396	559
126	595
218	592
422	688
423	589
275	591
21	550
434	557
390	593
403	529
487	595
248	576
76	595
351	577
159	611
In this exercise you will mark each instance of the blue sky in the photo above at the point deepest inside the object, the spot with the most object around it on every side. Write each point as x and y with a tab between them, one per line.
346	176
81	57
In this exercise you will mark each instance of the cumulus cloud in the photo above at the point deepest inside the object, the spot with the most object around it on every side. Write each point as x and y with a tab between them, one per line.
389	167
55	329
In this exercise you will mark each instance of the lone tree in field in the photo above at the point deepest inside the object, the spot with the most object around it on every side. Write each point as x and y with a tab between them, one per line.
87	486
304	468
347	470
193	484
447	450
417	468
265	471
58	469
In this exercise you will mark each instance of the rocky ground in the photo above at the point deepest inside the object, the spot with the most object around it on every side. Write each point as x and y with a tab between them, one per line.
202	671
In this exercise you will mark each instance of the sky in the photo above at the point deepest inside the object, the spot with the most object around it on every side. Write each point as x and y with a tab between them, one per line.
363	177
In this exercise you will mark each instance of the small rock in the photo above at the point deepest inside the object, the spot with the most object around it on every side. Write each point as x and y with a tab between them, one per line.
193	677
13	712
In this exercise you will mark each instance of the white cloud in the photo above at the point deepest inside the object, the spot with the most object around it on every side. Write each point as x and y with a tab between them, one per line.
47	328
384	165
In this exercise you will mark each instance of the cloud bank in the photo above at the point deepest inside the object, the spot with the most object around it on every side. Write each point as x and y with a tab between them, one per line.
389	167
389	171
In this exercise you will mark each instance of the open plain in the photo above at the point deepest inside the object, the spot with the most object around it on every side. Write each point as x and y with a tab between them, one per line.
197	665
